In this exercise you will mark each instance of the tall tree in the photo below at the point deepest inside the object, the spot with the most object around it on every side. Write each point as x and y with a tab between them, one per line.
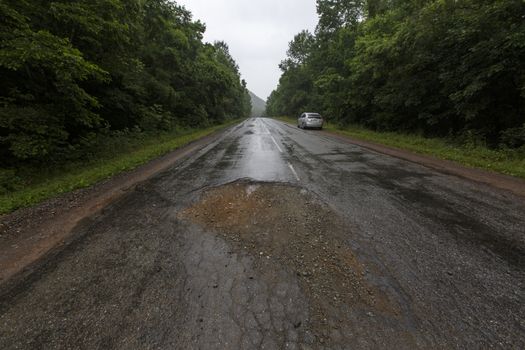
429	66
73	69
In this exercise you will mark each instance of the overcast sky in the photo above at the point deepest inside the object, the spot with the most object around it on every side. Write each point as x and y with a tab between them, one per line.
257	33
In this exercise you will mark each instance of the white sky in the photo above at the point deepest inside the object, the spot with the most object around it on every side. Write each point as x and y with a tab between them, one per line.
257	33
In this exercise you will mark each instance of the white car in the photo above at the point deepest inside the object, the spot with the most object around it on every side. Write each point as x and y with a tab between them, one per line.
310	120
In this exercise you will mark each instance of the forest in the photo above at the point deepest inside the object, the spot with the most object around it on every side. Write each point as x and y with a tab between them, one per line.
74	72
435	68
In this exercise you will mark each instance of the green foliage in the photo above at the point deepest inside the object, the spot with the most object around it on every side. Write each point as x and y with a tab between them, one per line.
432	67
72	70
39	68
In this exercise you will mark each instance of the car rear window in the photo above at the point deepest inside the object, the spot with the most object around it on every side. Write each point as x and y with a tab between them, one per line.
314	116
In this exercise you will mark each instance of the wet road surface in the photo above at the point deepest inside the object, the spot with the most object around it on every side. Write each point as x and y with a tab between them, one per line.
419	259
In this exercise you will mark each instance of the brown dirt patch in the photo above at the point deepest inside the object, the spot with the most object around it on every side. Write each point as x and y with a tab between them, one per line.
289	225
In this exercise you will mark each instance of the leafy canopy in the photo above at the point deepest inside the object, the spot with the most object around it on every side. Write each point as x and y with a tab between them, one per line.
435	67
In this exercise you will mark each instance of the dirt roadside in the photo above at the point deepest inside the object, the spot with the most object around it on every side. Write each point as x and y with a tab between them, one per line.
27	235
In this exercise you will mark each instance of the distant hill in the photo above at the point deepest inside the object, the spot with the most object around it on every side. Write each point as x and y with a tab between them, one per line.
258	105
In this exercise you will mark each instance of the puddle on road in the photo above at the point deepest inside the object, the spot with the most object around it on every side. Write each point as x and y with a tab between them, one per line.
290	226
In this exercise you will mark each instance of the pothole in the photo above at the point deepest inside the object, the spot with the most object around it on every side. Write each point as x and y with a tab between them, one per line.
292	227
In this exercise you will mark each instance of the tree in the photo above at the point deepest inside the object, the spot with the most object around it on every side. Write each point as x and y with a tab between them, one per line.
439	68
42	98
75	69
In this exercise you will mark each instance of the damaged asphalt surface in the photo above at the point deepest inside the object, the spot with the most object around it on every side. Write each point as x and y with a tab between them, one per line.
274	237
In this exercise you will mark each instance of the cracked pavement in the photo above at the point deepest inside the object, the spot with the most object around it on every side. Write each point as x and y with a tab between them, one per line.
217	253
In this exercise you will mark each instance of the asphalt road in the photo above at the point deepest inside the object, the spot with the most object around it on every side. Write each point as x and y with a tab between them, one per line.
338	248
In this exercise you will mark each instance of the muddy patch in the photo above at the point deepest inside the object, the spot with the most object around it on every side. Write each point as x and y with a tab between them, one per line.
291	227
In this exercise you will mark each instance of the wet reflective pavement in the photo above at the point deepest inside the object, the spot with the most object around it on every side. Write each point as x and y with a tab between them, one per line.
255	153
447	252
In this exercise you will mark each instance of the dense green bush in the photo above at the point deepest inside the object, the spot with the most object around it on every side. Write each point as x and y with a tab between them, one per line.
434	67
72	70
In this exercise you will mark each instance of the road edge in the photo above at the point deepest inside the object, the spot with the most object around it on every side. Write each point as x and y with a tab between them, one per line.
508	183
21	252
